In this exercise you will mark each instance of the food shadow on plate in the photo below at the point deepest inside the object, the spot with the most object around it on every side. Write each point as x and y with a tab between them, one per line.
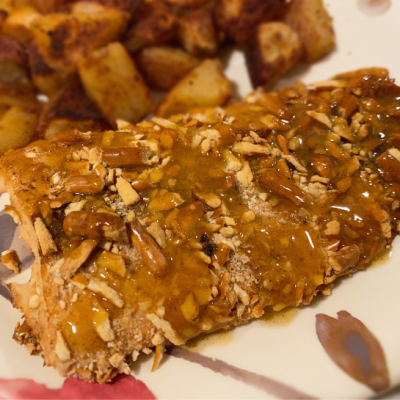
10	239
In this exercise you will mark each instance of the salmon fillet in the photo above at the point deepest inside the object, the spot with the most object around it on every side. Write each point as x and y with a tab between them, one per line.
148	236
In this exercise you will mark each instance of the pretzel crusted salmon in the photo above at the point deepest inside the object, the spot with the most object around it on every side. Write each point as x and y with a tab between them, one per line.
153	234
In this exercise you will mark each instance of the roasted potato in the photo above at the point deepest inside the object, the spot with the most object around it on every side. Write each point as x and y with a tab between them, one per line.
70	108
86	7
197	34
17	127
18	95
3	109
273	49
46	79
63	39
48	6
163	67
154	24
311	21
122	5
113	83
191	3
13	62
17	25
239	18
7	5
3	17
205	86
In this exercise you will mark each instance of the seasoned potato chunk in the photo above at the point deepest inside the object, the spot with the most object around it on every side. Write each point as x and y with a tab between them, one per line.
17	95
18	24
113	83
45	78
64	39
204	86
163	67
48	6
13	62
197	34
86	7
3	17
273	50
311	21
17	126
154	24
70	108
239	18
122	5
7	5
191	3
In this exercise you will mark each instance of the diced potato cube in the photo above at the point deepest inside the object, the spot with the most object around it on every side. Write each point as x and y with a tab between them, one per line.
310	19
70	108
122	5
3	17
190	3
272	51
238	18
154	24
163	67
17	95
64	39
18	24
45	78
205	86
47	6
90	6
13	62
86	7
16	128
7	5
197	34
113	83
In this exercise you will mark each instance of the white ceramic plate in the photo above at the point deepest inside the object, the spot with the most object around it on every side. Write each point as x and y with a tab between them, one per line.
255	360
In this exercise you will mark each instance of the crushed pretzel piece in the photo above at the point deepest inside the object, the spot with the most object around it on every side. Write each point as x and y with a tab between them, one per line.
10	259
46	242
127	192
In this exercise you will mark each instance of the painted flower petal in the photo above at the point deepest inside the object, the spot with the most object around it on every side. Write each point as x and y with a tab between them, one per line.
354	349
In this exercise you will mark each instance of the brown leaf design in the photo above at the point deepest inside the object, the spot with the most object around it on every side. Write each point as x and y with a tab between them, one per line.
354	349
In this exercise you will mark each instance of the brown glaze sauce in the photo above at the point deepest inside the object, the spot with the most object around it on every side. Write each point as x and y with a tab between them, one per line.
286	252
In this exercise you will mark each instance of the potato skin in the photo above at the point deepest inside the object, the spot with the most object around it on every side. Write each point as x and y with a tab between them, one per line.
13	62
64	39
191	4
197	34
205	86
274	48
163	67
17	127
18	95
313	24
48	6
121	5
112	81
17	24
239	18
3	17
70	108
153	24
45	78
